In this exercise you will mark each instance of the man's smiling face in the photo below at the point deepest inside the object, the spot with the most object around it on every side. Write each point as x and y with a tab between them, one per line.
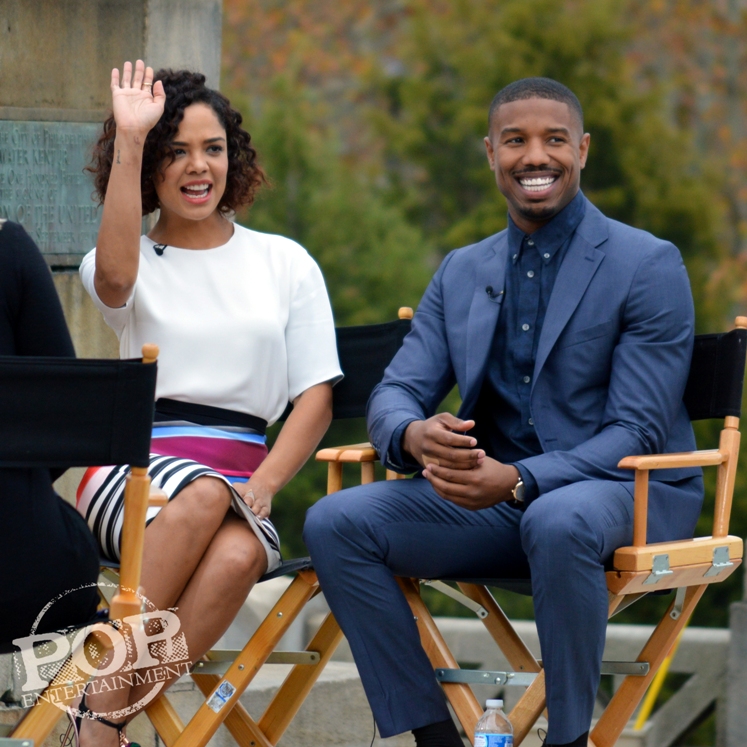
537	149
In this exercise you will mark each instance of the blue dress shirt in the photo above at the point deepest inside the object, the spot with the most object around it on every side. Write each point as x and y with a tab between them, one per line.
504	425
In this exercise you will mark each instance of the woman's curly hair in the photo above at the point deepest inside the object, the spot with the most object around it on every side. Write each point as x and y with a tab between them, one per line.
184	88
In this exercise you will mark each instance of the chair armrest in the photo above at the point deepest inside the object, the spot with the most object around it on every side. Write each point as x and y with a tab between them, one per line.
352	453
705	458
679	552
642	465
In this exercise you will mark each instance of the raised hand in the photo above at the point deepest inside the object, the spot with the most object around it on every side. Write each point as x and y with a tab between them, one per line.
137	103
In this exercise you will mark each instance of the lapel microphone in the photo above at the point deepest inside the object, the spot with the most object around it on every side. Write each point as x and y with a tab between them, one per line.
491	293
160	247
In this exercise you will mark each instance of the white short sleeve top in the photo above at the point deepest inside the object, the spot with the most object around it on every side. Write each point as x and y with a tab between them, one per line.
246	326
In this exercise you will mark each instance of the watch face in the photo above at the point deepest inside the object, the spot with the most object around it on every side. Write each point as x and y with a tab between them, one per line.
518	491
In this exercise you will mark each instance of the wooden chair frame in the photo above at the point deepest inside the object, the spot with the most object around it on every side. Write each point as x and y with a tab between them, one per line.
689	561
38	723
688	566
230	673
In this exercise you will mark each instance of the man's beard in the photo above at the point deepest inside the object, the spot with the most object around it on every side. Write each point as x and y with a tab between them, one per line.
539	213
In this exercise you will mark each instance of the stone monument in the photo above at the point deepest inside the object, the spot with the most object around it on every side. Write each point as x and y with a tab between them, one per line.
56	58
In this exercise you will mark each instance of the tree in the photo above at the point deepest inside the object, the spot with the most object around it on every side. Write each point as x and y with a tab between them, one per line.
643	167
370	119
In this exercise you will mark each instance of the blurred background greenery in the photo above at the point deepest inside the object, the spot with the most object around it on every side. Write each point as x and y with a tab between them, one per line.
369	119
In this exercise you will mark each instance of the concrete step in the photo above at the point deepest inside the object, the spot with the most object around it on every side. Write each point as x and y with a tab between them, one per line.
335	713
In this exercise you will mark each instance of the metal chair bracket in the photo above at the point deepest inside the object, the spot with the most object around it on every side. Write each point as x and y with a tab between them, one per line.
659	569
456	595
632	668
679	601
482	677
720	561
221	660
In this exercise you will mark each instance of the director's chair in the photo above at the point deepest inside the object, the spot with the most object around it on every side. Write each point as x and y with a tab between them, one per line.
64	412
714	390
223	676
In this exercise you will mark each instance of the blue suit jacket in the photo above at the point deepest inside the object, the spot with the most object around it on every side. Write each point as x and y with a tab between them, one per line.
612	360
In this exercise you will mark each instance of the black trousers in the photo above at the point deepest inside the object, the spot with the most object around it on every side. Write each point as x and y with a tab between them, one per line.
47	555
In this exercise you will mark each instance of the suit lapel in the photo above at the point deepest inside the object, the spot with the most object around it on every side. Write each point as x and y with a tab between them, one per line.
574	276
483	316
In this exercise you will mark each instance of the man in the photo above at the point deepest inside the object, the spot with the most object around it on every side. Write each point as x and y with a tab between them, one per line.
569	336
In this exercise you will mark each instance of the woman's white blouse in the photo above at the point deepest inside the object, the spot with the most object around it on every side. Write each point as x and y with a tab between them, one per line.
246	326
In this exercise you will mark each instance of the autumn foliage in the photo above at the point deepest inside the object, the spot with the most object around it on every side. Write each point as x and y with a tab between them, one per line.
369	119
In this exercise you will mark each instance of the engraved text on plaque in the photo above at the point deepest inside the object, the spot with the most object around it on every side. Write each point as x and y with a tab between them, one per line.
44	188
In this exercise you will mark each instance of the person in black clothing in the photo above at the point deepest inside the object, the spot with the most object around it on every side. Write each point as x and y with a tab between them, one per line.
46	548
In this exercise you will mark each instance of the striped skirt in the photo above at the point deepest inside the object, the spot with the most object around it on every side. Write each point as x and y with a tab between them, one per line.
228	453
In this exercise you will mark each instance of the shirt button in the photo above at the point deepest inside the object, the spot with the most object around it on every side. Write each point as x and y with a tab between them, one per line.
530	242
516	256
546	255
527	379
525	327
530	274
530	421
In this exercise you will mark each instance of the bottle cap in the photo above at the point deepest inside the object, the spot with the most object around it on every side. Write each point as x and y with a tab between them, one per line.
494	704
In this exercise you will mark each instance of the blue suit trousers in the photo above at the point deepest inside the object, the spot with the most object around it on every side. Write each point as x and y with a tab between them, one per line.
361	538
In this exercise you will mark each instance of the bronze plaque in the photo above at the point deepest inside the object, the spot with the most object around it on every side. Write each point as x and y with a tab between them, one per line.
44	188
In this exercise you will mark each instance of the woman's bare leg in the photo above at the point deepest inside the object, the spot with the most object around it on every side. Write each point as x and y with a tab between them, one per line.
177	543
233	563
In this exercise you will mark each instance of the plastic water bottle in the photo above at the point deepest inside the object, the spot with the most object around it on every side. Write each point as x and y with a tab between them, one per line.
494	729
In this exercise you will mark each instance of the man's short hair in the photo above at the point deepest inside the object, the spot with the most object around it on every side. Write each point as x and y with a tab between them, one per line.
537	88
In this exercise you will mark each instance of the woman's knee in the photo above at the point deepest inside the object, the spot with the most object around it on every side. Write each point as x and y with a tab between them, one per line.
239	552
204	497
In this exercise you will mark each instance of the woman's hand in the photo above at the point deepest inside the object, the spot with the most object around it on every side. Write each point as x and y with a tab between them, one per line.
304	428
257	496
138	103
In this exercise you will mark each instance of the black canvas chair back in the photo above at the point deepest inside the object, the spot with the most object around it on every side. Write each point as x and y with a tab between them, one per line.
63	412
714	386
365	351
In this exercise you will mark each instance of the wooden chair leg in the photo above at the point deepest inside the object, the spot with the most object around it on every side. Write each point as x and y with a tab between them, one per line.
624	701
240	724
207	719
38	723
165	720
299	682
461	697
532	703
501	630
525	713
41	719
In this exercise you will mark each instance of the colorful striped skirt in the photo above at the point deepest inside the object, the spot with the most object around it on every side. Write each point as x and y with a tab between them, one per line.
188	441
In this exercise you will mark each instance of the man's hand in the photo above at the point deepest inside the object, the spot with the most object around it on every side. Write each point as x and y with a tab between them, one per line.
433	441
485	485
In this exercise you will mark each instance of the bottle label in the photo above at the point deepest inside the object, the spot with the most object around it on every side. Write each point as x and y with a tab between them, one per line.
494	740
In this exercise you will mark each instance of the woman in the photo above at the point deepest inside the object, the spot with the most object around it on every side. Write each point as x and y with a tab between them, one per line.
244	326
46	549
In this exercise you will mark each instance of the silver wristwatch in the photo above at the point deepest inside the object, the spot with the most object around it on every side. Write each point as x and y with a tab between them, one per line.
518	491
